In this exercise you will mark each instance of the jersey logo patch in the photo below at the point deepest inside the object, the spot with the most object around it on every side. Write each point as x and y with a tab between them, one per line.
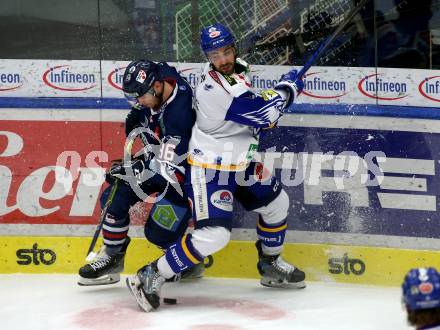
230	80
269	94
426	288
223	200
165	216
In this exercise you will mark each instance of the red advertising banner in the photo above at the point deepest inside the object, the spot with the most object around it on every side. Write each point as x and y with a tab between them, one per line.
52	172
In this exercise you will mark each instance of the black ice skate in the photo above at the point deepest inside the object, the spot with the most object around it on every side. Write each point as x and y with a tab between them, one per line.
145	286
193	273
104	269
197	271
277	273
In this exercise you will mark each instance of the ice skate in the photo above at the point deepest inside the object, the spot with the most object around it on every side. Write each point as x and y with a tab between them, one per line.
104	269
277	273
193	273
145	286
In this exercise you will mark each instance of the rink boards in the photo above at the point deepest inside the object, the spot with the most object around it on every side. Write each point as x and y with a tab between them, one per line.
359	159
321	262
340	227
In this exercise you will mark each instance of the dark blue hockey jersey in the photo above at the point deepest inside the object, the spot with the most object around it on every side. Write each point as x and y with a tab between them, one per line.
168	129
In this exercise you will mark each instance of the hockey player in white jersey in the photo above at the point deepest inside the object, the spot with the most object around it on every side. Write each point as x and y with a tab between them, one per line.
225	137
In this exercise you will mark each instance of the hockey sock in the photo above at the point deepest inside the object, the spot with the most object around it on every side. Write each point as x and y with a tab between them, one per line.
182	255
114	232
271	236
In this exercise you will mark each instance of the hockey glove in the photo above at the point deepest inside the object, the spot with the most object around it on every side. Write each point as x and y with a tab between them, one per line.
108	176
292	84
127	171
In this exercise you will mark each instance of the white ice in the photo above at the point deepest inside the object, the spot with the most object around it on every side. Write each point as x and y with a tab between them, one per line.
57	302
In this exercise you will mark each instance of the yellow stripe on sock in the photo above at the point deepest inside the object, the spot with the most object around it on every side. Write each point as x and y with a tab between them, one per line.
188	254
272	230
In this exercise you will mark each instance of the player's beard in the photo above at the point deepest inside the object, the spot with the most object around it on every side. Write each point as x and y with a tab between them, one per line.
158	100
227	68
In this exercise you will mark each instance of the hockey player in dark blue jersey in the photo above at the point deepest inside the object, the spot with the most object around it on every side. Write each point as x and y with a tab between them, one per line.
421	297
221	157
162	116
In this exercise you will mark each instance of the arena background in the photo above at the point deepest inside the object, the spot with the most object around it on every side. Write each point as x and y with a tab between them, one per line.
377	90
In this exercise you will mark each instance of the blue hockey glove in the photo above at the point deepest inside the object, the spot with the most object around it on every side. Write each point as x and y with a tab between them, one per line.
291	84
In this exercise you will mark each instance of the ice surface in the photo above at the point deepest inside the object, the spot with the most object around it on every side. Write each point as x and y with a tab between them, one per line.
57	302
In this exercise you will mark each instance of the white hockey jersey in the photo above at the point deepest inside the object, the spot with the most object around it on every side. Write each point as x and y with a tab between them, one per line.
229	117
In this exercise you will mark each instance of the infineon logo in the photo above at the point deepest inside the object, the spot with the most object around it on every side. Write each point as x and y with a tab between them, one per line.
430	87
116	77
10	81
191	77
60	77
319	88
372	86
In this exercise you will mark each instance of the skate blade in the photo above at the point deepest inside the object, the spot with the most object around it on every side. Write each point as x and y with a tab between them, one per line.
103	280
192	277
185	278
271	283
134	285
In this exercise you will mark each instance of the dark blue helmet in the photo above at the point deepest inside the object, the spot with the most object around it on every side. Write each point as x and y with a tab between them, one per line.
215	36
139	77
421	289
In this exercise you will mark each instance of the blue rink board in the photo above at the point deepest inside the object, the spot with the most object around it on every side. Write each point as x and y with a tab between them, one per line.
118	103
336	214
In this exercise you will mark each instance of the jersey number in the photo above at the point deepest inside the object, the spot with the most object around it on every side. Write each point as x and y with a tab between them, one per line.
167	151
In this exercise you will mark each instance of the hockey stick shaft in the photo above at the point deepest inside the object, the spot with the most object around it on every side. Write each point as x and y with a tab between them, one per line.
110	200
327	42
103	215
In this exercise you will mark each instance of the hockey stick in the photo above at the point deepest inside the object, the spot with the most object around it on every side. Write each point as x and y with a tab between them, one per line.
327	42
90	254
324	18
